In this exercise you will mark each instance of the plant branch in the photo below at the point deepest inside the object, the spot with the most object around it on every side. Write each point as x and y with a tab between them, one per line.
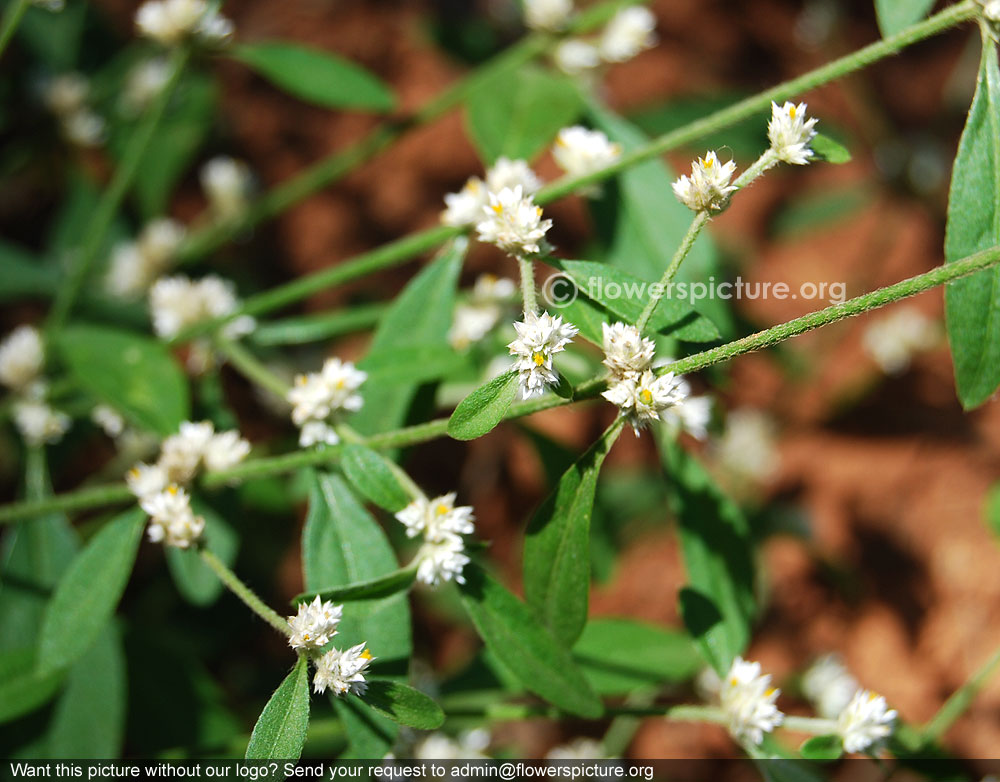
959	701
693	231
243	592
248	365
528	297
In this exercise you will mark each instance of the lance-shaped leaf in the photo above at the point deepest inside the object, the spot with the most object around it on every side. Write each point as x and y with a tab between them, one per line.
557	546
524	647
972	304
316	76
280	732
896	15
828	747
718	604
376	588
403	704
194	580
23	687
481	411
89	591
374	476
828	150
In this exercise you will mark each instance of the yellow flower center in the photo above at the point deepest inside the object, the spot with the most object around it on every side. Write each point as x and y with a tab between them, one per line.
646	396
340	383
792	111
442	509
538	358
172	490
706	162
366	654
498	208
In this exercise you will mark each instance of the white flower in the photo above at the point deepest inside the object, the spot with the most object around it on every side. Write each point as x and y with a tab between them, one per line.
539	338
748	447
109	419
317	433
708	186
575	57
491	289
580	748
748	700
168	22
471	323
646	398
547	14
829	686
469	745
692	415
38	423
66	94
181	454
866	720
227	183
513	223
466	206
626	352
136	265
55	6
790	132
84	128
172	521
507	173
145	480
894	339
318	395
314	624
145	81
437	517
165	505
630	31
225	450
991	10
22	357
178	302
579	151
343	672
441	560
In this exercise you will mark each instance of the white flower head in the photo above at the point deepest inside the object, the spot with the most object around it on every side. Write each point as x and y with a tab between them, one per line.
145	81
178	302
539	338
84	128
441	560
471	323
181	453
343	672
317	433
38	423
314	624
468	745
66	93
172	521
513	223
490	289
829	685
145	480
790	132
866	720
748	448
507	173
645	398
547	14
22	357
579	151
708	186
896	338
692	415
631	31
575	57
626	352
318	395
466	206
225	450
227	183
437	518
749	702
169	22
109	419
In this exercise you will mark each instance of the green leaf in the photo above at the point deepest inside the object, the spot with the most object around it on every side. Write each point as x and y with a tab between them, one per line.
972	304
718	605
825	148
521	644
89	591
828	747
194	580
316	76
317	327
518	114
655	655
412	364
625	296
420	317
54	38
403	704
397	581
134	374
557	546
896	15
369	734
78	729
374	477
23	687
484	408
23	274
280	732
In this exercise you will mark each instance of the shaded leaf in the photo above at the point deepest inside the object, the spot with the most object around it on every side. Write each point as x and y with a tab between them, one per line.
317	327
23	274
280	732
374	477
23	687
385	586
829	747
825	148
481	411
194	579
403	704
896	15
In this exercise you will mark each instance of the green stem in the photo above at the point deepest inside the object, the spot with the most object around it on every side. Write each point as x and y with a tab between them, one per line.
244	362
528	297
438	428
11	19
111	198
814	725
686	244
243	592
317	327
959	701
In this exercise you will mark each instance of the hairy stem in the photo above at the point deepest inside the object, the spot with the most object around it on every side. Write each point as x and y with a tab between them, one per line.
527	270
693	231
243	592
248	365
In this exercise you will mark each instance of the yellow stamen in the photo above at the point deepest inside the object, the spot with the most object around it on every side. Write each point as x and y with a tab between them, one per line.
498	208
791	112
706	162
172	490
340	383
134	472
646	396
301	380
770	691
442	509
538	211
367	655
538	358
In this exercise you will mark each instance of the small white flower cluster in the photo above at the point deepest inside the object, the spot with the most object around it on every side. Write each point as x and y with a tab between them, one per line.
466	206
66	97
170	22
227	183
629	32
748	699
145	81
748	447
468	745
790	132
157	485
579	151
178	302
55	6
895	339
128	439
708	188
829	686
476	316
442	556
136	265
551	15
318	397
580	748
22	359
539	338
640	394
311	629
